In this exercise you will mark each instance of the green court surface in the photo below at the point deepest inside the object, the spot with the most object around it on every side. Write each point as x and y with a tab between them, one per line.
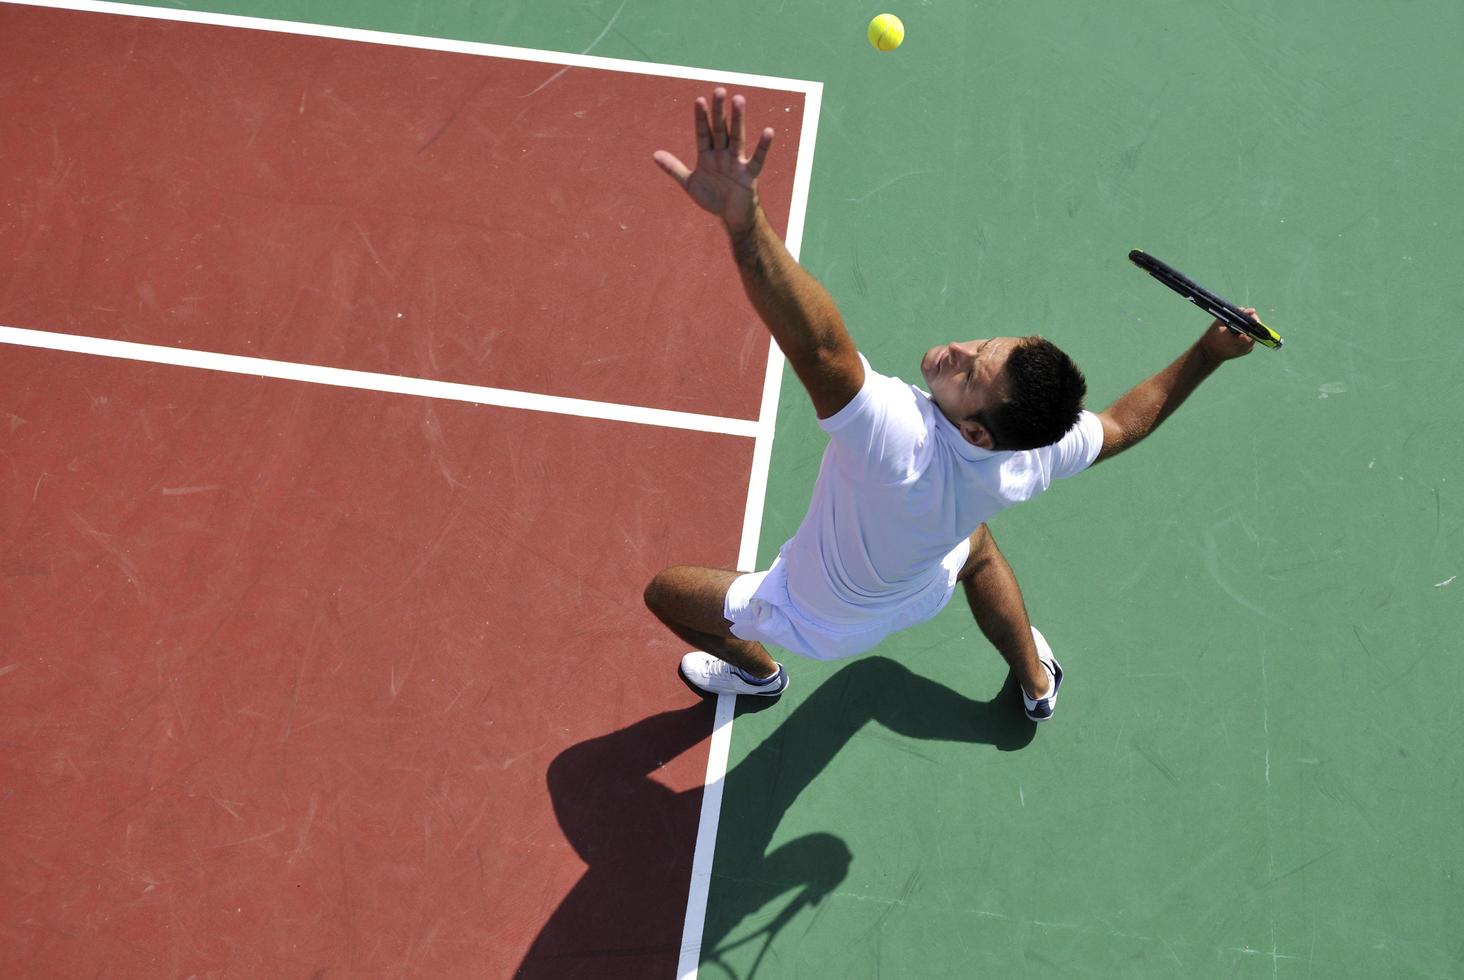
1255	766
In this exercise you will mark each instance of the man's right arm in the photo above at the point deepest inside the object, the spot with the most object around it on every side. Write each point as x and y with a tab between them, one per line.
801	316
798	311
1141	410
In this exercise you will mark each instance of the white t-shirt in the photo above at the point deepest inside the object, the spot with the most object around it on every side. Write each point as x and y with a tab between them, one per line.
897	491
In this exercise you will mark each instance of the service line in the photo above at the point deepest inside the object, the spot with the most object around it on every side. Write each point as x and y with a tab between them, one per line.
369	381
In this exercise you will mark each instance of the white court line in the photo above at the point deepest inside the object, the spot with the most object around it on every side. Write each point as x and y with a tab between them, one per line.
430	43
369	381
761	431
711	812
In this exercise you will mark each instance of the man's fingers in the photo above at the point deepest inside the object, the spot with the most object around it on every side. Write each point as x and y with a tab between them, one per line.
735	139
669	163
719	118
703	128
713	134
760	155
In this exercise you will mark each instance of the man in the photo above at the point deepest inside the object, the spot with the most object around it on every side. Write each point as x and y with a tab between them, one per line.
908	479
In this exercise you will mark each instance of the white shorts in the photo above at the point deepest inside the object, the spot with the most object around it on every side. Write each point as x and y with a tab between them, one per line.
759	608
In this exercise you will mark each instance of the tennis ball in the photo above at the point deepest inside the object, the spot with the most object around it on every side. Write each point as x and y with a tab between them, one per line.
886	32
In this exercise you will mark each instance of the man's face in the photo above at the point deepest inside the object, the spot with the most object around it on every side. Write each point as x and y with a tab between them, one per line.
967	382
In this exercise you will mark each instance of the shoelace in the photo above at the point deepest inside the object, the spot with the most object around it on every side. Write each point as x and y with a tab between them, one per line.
724	669
721	668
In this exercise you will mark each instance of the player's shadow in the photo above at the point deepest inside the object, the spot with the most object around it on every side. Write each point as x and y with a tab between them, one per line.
623	917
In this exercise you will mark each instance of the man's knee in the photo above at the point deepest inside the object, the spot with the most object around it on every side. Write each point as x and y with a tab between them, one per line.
691	596
660	592
680	588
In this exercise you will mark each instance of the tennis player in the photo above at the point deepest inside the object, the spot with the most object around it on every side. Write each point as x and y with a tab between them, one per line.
909	477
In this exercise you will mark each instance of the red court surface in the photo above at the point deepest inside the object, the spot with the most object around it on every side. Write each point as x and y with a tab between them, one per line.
300	680
370	207
286	667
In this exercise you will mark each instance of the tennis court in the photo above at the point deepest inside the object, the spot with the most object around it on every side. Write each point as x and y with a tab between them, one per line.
358	368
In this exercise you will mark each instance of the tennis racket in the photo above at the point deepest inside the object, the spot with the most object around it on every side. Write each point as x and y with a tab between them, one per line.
1226	312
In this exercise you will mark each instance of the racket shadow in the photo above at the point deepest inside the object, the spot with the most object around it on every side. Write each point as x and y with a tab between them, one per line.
623	917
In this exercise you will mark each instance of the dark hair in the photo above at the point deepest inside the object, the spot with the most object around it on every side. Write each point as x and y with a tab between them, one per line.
1046	394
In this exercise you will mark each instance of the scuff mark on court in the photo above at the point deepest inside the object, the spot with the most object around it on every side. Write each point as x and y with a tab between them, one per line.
1299	868
1157	763
127	566
1211	556
561	72
889	183
305	831
228	806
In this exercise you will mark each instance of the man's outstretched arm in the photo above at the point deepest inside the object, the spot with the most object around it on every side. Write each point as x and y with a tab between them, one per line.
796	308
801	316
1140	411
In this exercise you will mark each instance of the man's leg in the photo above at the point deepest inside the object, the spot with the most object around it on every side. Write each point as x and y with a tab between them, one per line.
689	600
996	602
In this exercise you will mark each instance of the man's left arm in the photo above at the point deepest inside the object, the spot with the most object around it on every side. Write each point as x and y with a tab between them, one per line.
1145	406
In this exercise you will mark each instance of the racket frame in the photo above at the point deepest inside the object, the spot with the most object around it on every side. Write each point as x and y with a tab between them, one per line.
1224	311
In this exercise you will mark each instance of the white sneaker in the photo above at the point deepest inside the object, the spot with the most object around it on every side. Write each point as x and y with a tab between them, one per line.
1040	709
715	676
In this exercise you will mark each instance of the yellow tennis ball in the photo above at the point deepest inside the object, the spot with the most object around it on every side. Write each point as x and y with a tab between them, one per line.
886	32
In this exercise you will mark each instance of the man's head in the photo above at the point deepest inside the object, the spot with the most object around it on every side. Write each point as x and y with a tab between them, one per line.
1006	392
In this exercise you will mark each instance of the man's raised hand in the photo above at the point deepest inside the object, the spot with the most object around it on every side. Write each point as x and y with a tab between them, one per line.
724	182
